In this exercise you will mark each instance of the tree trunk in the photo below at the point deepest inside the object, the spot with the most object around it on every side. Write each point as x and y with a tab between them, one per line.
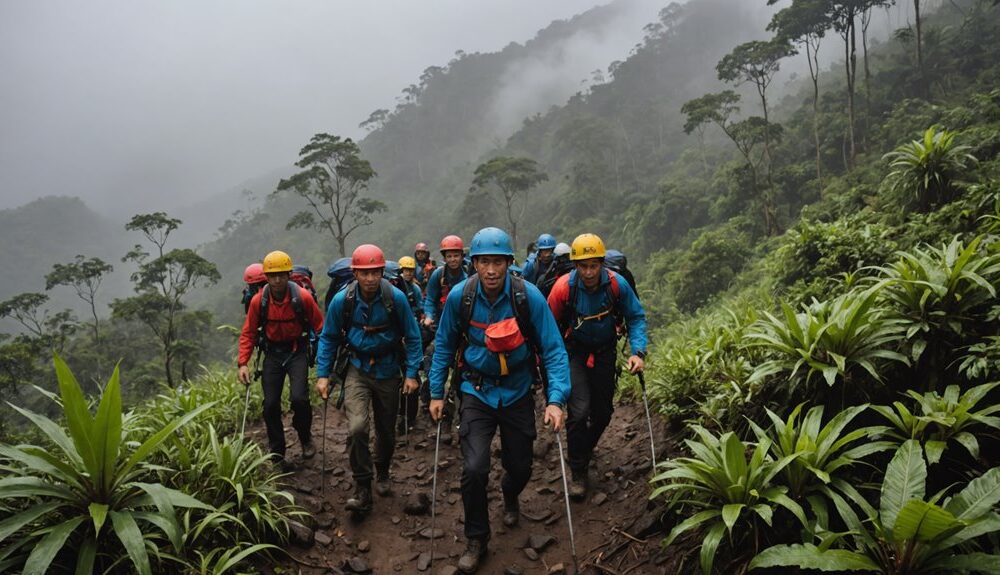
813	57
920	52
866	18
850	52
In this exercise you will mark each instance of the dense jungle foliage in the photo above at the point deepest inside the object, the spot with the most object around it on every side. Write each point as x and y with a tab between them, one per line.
822	271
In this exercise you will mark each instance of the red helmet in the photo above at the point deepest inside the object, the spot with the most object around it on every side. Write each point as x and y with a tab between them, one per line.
422	247
254	274
367	257
449	243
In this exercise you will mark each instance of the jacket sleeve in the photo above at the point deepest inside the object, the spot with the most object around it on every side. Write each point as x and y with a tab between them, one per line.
635	316
433	293
559	297
330	338
445	343
529	271
248	336
551	347
411	334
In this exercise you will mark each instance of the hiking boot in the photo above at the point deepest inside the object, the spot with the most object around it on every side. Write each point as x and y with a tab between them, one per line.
383	485
474	552
578	486
279	461
308	450
361	503
511	511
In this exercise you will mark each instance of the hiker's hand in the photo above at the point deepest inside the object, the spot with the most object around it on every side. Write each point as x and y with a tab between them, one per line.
635	364
428	321
244	375
437	409
554	416
411	385
323	387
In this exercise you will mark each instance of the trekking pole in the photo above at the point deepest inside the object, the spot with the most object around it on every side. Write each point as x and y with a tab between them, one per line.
322	470
649	420
569	514
434	488
246	408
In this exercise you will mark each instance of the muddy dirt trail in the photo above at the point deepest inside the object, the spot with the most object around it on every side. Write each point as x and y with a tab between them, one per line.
615	532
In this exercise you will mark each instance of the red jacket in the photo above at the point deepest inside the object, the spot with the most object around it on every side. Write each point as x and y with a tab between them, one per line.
282	324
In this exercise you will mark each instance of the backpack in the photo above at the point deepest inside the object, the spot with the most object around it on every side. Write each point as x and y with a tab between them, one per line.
302	275
402	286
391	271
347	315
250	290
560	267
616	261
340	274
308	335
445	287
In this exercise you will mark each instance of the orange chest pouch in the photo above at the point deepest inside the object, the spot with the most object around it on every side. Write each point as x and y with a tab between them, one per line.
502	338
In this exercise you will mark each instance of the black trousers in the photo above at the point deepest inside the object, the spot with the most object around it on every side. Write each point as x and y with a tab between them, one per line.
479	423
591	403
276	366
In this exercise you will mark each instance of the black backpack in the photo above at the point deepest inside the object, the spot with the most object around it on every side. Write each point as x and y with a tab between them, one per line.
402	285
617	261
560	267
307	335
250	290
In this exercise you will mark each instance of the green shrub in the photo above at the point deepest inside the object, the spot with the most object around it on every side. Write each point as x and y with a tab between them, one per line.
708	267
909	533
726	489
927	172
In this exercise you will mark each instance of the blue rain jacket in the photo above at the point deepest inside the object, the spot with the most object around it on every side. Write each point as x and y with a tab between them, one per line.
375	354
500	390
432	299
597	333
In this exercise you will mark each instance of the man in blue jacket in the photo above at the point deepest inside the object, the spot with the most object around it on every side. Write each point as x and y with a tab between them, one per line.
592	304
444	278
371	321
537	267
498	323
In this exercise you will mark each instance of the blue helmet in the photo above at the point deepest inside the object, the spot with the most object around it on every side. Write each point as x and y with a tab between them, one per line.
545	242
491	242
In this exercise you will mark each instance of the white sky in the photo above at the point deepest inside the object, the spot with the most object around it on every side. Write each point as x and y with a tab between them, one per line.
141	104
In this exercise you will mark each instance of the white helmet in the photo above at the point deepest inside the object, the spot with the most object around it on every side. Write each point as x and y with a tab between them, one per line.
562	249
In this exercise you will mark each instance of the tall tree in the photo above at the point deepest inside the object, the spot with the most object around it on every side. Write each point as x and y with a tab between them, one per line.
161	283
333	177
843	16
512	178
805	23
44	332
719	109
84	276
756	63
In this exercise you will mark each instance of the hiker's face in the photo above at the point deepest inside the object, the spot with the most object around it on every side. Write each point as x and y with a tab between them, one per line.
492	270
545	256
453	258
422	256
407	274
278	282
368	281
589	272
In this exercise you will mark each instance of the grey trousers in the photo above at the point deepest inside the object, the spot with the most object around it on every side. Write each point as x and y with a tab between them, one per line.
367	398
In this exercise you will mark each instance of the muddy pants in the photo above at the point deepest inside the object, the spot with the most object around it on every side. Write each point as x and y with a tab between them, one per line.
591	402
479	423
366	398
276	366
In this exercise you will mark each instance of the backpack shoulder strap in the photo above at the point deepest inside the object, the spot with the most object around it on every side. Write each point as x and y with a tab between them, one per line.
389	303
265	300
468	302
522	310
295	294
347	313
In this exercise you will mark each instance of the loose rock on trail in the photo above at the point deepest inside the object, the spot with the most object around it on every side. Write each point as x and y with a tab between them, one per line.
616	532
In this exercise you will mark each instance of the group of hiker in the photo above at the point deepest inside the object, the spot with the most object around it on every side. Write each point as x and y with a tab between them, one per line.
495	331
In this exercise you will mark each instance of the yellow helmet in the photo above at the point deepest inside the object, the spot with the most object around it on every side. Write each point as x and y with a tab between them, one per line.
585	247
407	263
277	262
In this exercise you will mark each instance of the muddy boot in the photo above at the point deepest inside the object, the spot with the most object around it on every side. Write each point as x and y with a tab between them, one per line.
383	485
474	552
511	511
578	486
308	450
361	504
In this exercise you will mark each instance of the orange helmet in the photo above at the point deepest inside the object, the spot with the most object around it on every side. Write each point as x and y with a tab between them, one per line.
367	257
449	243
